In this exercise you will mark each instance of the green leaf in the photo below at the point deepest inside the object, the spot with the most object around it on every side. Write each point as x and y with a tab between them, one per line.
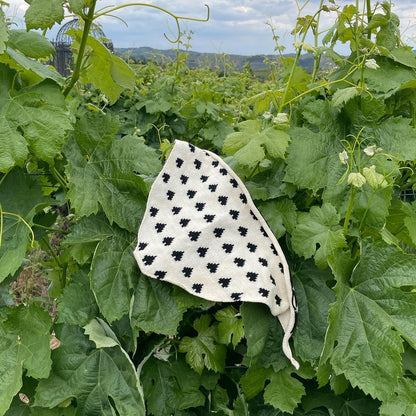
311	159
10	371
264	336
280	215
403	401
170	386
370	317
31	44
404	55
318	228
220	403
77	6
352	403
371	207
343	95
114	274
202	350
90	229
77	304
396	137
104	171
313	297
284	391
31	325
38	113
102	381
43	14
252	382
105	71
401	219
30	70
20	194
269	184
24	344
216	132
101	334
230	327
3	32
249	145
154	308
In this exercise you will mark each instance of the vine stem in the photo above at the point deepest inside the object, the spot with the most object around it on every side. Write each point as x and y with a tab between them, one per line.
317	57
88	19
349	210
295	64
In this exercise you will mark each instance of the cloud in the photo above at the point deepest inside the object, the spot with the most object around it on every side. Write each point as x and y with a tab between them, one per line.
234	26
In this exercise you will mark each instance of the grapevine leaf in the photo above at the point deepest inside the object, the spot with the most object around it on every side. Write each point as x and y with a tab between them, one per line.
375	80
31	326
371	207
90	229
22	195
236	140
410	223
369	318
85	235
101	334
202	350
311	159
30	69
154	309
343	95
170	386
3	32
401	213
404	55
185	300
114	274
395	136
318	228
220	403
252	382
31	44
264	336
269	184
77	305
250	143
216	132
105	71
77	6
43	14
230	327
39	112
10	371
280	215
24	344
284	391
403	401
90	375
14	148
34	119
314	298
353	403
103	171
324	117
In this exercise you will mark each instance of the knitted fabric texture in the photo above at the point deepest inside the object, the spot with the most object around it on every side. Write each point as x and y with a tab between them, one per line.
201	231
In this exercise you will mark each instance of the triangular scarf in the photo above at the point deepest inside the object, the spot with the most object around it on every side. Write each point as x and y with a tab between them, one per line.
202	232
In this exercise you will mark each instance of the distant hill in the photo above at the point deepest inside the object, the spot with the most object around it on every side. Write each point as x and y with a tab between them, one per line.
213	60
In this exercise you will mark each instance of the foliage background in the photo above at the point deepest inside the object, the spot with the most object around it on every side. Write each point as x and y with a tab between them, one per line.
328	158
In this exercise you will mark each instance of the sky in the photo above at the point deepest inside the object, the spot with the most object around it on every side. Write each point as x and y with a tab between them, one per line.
234	27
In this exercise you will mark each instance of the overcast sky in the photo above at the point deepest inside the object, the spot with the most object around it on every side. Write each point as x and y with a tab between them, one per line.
235	26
